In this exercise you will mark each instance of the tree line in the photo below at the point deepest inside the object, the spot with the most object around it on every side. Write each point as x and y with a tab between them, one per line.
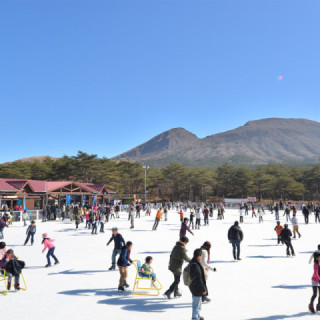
175	181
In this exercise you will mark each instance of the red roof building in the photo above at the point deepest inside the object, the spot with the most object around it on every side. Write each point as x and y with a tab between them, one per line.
39	193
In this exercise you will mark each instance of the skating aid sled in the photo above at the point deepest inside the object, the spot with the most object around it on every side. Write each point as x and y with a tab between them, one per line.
145	276
4	278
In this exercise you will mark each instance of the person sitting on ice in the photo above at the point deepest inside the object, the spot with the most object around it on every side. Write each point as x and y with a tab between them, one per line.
146	270
184	228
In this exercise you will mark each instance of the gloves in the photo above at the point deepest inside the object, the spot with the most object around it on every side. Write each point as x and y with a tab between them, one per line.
214	269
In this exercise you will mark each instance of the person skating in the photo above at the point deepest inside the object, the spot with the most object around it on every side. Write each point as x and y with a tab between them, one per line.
241	214
205	260
184	228
157	220
287	213
198	285
123	263
206	213
48	244
31	231
235	236
295	226
177	257
315	284
198	218
2	226
260	215
278	228
317	214
286	235
192	216
306	213
118	244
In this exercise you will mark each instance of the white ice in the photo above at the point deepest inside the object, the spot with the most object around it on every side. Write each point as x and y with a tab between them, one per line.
265	285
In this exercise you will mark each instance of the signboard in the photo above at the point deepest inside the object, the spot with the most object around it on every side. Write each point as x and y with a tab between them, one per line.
236	200
252	199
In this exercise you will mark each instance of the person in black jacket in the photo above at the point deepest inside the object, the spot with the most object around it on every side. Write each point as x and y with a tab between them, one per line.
285	236
235	236
118	243
198	285
124	262
306	213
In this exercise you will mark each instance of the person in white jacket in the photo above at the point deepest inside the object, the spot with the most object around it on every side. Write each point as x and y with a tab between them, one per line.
295	226
205	260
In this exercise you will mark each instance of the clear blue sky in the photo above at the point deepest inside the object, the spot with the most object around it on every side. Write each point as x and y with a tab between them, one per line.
104	76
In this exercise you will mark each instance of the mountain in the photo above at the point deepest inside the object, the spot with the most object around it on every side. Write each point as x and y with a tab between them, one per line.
260	142
33	159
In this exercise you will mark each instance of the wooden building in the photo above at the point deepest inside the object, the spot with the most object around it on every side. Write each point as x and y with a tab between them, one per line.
35	194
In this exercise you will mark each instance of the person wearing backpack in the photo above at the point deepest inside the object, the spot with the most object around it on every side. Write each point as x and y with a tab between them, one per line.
177	257
198	285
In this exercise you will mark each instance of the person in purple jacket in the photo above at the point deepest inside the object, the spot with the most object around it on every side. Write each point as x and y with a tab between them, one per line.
184	228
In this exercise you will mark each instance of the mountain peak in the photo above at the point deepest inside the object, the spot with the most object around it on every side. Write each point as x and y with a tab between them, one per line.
271	140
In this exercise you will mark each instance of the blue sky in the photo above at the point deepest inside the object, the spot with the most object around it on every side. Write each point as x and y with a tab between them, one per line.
104	76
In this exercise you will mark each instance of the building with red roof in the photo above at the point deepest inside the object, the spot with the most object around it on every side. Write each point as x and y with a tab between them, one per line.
39	193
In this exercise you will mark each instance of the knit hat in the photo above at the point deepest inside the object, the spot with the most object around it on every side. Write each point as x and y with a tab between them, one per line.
45	235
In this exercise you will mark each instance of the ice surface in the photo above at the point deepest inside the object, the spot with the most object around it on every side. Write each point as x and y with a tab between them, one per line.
265	285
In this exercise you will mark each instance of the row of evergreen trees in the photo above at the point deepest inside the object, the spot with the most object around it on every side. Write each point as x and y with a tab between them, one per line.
175	181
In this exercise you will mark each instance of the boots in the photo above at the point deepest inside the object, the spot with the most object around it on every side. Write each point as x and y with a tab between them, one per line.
121	288
177	294
9	285
112	268
17	287
126	284
167	294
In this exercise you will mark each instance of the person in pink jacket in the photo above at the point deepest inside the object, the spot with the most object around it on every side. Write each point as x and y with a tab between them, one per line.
48	244
315	284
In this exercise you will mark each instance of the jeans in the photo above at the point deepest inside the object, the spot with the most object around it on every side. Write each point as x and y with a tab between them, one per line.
196	307
236	249
306	218
277	215
156	223
175	285
101	226
16	278
51	253
1	234
206	220
115	252
30	234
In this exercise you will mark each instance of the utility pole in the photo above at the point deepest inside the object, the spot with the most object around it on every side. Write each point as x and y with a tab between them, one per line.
145	182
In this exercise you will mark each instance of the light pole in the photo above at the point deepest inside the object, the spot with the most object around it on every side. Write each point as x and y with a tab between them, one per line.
145	182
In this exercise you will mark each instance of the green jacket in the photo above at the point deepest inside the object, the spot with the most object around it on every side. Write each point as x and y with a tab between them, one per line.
177	257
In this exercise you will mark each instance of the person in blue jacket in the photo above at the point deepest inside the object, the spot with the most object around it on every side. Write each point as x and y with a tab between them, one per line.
124	262
31	231
118	244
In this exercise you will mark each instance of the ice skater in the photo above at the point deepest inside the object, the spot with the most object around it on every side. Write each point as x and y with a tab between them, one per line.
31	231
48	244
286	235
315	284
235	236
118	244
124	262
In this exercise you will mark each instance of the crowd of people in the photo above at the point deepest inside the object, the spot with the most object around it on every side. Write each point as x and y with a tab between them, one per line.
192	216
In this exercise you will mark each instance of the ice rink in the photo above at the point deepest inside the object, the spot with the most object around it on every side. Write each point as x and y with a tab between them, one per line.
265	285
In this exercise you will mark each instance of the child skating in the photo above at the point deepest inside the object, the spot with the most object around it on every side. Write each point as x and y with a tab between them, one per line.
48	244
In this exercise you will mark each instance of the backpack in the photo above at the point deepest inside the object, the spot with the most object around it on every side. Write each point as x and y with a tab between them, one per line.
186	275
